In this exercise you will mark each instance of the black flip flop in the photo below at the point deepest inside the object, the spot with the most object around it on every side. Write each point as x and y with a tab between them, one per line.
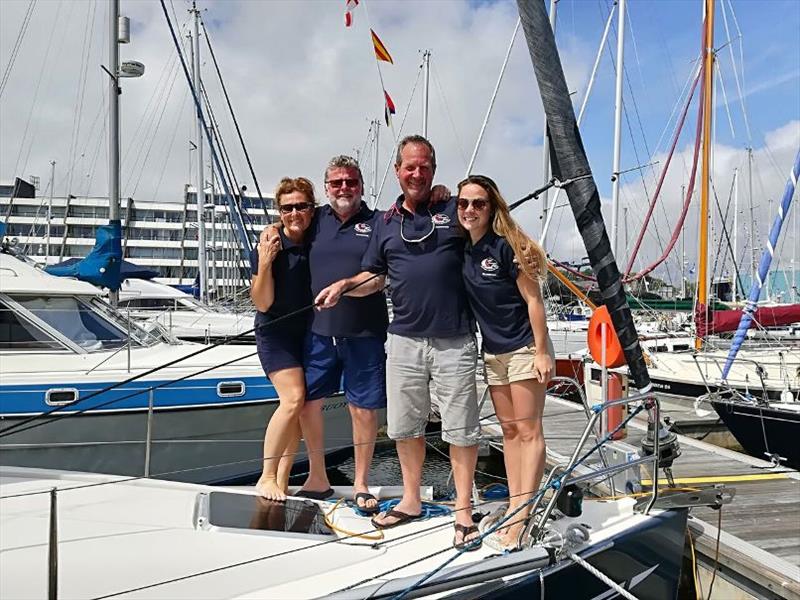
397	514
465	544
324	495
368	510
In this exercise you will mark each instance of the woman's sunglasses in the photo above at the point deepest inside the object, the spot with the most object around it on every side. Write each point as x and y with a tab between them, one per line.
299	207
477	203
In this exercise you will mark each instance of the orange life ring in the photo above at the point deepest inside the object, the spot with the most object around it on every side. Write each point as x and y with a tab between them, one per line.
614	355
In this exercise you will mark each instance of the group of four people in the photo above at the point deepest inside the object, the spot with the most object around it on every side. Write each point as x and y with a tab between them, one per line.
449	262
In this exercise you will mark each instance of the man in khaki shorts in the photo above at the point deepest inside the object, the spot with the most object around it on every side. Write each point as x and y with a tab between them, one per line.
431	344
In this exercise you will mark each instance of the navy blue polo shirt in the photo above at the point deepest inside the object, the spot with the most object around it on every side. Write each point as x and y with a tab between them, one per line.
427	289
292	288
336	251
490	275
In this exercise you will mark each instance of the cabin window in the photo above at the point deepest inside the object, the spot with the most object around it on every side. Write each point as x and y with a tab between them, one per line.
17	333
75	320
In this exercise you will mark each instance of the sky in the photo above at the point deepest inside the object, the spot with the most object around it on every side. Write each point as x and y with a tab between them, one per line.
304	88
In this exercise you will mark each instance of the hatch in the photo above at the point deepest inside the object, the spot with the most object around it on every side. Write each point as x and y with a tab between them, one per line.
247	513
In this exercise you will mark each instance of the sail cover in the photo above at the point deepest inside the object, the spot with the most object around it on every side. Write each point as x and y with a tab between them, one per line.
101	267
571	167
766	316
763	267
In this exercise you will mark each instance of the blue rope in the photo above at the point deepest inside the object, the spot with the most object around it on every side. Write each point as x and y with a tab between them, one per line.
429	509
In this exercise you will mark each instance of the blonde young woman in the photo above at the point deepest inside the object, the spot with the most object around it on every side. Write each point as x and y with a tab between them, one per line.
502	269
281	285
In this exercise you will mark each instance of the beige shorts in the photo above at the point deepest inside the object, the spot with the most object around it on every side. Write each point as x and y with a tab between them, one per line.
502	369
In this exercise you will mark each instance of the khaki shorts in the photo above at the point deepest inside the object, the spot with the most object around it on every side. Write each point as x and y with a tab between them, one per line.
502	369
419	368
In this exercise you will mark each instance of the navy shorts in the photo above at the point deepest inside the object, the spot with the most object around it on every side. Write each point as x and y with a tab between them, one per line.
357	364
278	351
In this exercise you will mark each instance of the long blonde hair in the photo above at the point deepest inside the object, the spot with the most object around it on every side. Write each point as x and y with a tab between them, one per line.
530	256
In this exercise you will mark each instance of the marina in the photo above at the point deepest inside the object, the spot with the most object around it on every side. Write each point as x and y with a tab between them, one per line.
760	550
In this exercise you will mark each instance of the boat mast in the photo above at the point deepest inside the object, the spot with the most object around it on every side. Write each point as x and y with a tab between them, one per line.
793	287
683	250
200	195
754	258
113	121
735	278
617	129
708	76
546	144
50	209
373	188
426	87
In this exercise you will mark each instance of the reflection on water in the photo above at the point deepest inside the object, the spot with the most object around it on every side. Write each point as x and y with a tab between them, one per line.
386	469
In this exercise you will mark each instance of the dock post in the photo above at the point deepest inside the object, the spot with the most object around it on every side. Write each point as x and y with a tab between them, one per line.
52	548
149	439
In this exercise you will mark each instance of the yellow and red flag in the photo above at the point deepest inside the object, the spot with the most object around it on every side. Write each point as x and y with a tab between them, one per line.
381	53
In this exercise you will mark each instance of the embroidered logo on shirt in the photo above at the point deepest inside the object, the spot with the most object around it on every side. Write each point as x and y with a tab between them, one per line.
362	228
440	219
489	265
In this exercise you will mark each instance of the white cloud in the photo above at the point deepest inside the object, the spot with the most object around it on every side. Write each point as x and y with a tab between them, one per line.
305	88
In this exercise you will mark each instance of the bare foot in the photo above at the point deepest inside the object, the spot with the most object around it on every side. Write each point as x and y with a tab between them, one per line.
268	488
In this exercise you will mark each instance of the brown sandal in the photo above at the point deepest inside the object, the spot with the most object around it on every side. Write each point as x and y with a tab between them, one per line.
465	544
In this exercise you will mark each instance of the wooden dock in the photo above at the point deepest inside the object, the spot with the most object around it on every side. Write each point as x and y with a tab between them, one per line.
759	545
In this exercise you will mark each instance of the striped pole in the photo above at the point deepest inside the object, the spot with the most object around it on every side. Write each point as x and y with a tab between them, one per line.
763	267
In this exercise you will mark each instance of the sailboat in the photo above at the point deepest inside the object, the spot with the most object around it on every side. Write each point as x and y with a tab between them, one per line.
85	388
763	426
199	541
765	372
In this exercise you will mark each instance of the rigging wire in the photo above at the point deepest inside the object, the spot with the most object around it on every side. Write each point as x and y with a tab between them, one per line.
726	236
16	47
735	71
80	90
649	214
449	113
244	246
390	161
235	122
140	162
42	70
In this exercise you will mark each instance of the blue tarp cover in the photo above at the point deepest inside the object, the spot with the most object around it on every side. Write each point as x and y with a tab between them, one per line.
102	265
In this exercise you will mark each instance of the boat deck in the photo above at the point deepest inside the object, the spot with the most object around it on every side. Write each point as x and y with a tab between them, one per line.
759	548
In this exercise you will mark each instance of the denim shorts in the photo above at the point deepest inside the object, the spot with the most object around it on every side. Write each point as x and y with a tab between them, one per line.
355	364
415	367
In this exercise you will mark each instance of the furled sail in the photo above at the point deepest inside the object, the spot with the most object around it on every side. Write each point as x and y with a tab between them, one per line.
767	316
571	168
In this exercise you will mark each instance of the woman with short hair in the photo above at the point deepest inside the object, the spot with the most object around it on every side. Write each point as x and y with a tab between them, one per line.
281	286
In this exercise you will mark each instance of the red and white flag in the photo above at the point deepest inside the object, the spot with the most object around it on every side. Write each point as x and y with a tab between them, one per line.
350	5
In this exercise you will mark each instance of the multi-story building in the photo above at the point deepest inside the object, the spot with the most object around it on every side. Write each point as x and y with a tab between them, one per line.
159	235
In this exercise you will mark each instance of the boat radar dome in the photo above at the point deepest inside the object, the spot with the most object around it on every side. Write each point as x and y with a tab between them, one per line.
131	68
